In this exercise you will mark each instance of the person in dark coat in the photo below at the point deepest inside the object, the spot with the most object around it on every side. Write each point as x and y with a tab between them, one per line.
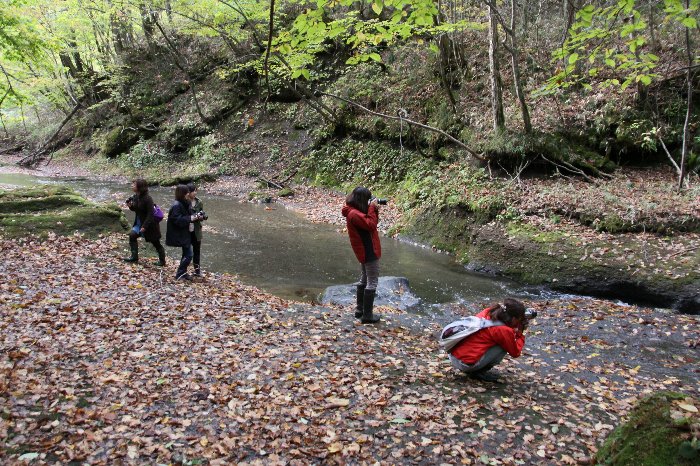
145	224
362	216
198	210
180	227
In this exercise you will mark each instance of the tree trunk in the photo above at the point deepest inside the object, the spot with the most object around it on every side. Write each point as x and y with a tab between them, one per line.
499	119
689	107
445	44
270	33
184	68
148	18
517	80
2	120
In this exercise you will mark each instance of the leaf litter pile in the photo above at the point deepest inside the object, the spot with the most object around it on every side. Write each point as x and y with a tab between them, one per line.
104	362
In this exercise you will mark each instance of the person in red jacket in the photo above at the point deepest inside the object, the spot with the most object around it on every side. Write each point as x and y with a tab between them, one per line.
481	351
362	217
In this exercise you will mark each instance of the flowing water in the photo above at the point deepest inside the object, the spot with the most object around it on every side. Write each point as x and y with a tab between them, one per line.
281	252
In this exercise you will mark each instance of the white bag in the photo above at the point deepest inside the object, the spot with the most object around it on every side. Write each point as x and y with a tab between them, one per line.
458	330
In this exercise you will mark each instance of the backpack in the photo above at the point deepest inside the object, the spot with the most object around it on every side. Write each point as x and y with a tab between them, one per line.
458	330
157	213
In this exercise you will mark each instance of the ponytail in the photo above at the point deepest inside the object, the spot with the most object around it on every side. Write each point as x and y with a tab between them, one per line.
507	311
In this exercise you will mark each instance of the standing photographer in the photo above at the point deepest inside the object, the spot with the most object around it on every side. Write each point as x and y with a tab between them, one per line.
481	351
198	210
145	224
362	215
180	228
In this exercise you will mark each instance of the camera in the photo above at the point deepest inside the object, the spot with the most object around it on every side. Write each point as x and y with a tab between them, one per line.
379	201
130	200
202	215
530	314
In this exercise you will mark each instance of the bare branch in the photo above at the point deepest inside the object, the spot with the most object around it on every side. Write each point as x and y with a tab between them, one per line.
673	161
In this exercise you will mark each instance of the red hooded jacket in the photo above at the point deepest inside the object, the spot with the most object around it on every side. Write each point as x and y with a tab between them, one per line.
362	229
472	348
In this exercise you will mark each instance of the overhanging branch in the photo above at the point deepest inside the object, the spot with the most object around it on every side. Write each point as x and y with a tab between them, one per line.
410	122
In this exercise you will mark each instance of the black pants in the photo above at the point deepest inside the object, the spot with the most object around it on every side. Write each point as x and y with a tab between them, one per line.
184	261
133	242
197	251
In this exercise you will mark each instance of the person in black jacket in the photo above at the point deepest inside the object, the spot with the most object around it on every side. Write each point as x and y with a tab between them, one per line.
144	223
197	209
180	227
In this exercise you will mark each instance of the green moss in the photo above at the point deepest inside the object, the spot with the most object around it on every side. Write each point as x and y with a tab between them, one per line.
118	140
34	204
285	192
34	192
39	211
91	220
529	232
650	437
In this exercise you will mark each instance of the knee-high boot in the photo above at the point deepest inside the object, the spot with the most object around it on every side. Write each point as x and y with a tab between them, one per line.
360	301
368	317
161	254
134	246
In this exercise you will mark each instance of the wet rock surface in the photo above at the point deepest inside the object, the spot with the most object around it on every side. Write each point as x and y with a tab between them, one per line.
391	291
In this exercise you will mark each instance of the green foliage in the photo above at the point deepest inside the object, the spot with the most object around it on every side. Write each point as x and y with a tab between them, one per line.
145	154
360	162
332	23
19	43
607	45
285	192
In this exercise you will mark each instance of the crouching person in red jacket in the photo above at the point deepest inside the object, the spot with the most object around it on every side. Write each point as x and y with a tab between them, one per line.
362	217
481	351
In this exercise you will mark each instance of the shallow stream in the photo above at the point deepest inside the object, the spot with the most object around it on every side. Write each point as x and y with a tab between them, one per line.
281	252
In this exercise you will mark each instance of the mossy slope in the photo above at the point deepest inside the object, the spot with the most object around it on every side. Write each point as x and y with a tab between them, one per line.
651	437
55	209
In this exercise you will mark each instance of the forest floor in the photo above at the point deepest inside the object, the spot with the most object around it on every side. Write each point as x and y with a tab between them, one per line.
104	361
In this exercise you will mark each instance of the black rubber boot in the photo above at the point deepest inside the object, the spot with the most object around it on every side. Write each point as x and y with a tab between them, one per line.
360	301
134	246
161	255
197	270
368	317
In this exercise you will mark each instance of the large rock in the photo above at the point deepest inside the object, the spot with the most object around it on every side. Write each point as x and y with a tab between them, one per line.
391	291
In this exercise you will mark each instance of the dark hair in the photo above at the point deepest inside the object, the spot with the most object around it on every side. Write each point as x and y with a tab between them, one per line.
141	186
507	311
180	192
359	199
191	187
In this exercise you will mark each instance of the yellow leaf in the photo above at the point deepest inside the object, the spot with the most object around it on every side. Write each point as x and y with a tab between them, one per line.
203	441
688	407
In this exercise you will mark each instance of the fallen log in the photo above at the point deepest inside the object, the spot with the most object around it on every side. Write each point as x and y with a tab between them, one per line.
36	156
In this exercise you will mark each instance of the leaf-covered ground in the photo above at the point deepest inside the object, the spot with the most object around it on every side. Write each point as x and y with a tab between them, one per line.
105	362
